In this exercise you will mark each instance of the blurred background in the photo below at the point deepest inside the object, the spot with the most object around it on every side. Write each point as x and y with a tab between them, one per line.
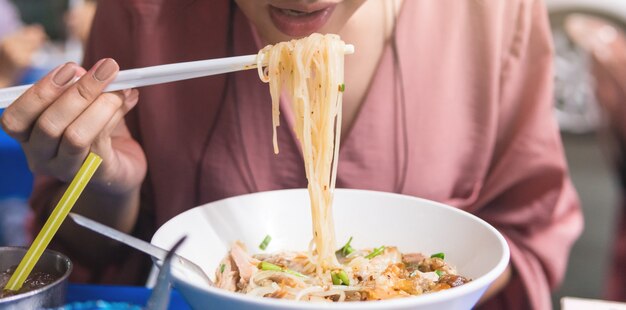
35	37
589	105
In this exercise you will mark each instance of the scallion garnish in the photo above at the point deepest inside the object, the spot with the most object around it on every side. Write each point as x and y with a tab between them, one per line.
347	248
343	276
265	242
438	255
335	277
376	252
269	266
439	272
342	87
340	278
222	267
295	273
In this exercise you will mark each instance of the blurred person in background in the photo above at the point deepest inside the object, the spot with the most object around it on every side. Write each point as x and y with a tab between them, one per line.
79	18
605	42
9	18
18	44
609	69
25	54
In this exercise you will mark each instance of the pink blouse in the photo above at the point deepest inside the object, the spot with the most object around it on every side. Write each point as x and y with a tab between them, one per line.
479	132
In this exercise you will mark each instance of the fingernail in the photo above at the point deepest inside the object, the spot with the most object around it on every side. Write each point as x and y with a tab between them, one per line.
105	70
64	75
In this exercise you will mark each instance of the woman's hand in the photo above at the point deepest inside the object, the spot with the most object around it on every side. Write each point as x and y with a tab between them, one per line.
58	122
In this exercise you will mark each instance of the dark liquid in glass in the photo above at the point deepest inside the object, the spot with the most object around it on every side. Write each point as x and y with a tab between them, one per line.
35	280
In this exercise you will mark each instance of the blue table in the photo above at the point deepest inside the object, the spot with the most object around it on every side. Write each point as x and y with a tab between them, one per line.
15	178
128	294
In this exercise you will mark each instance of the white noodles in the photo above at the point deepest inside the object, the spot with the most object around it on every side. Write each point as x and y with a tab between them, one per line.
309	290
310	70
264	290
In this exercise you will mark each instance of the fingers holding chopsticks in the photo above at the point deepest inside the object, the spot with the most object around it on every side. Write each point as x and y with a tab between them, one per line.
95	123
53	123
18	118
57	120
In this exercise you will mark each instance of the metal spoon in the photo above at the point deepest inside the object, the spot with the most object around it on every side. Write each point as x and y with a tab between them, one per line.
137	244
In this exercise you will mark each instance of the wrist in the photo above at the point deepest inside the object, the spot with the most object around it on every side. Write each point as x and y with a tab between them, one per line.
116	189
121	174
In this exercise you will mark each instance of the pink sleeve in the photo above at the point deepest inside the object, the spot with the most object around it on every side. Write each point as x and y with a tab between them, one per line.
528	194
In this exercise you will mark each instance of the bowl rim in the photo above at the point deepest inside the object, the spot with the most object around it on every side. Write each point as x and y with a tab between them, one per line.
479	283
62	278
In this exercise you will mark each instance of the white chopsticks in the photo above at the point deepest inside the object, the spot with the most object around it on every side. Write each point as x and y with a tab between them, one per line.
134	78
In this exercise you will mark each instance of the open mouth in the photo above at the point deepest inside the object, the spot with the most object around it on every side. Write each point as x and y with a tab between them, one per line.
300	22
294	12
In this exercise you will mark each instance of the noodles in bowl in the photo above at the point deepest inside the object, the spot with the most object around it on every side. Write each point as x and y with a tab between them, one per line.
476	249
373	274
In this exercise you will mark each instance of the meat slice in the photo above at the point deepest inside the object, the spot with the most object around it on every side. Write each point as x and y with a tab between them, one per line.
453	280
246	264
413	258
412	261
227	275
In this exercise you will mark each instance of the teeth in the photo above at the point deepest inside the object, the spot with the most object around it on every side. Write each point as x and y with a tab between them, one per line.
293	12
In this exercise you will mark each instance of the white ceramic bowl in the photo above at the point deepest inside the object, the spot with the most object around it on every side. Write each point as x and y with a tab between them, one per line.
373	218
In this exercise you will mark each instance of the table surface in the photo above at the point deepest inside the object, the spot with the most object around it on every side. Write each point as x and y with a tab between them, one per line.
15	179
136	295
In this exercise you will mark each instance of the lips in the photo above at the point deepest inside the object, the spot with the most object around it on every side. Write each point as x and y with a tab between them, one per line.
300	21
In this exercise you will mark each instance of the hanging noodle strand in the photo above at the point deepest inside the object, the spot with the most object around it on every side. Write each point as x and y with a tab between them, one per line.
310	71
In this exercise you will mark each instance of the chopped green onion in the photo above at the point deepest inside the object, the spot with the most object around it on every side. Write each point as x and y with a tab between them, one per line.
343	277
265	242
376	252
347	248
439	272
340	278
335	277
295	273
222	266
342	87
269	266
438	255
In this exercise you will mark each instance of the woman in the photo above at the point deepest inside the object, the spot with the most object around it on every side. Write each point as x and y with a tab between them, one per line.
445	100
79	18
608	65
18	44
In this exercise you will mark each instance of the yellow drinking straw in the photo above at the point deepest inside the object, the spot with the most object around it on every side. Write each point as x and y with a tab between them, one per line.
55	220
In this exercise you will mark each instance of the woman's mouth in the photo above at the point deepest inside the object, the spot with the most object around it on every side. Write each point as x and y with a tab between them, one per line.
300	22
